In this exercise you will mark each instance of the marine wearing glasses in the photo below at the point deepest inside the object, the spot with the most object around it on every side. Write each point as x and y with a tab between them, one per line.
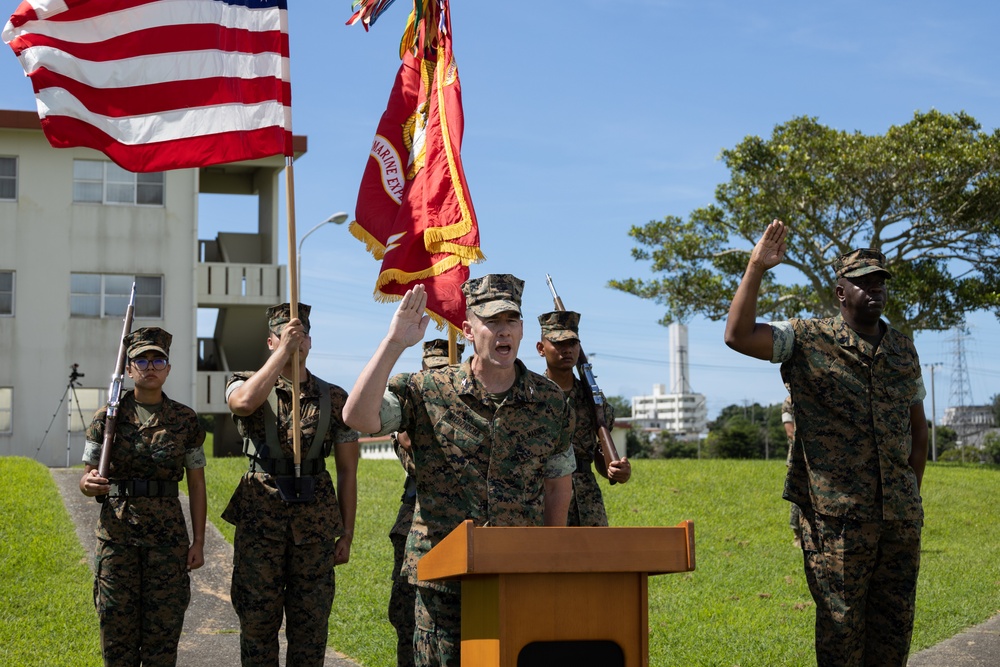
158	363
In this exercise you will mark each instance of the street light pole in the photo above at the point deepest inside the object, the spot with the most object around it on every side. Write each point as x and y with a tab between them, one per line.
338	218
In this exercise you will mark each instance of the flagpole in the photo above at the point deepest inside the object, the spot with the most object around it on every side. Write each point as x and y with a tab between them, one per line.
294	307
452	344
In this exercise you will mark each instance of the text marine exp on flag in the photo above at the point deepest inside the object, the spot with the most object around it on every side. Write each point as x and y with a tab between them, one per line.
159	84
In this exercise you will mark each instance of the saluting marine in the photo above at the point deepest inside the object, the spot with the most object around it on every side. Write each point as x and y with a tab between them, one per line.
490	440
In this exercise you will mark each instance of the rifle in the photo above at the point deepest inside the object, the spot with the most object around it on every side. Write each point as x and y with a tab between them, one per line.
115	394
596	399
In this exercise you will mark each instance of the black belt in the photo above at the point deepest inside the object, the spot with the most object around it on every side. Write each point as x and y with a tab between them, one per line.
583	463
143	488
283	467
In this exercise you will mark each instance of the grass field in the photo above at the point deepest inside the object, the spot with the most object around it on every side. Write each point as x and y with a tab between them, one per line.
746	603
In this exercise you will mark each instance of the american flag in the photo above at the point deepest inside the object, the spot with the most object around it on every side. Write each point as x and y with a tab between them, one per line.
159	84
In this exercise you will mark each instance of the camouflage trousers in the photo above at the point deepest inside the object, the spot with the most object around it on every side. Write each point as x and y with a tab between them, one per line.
272	579
402	598
586	508
141	594
437	639
863	578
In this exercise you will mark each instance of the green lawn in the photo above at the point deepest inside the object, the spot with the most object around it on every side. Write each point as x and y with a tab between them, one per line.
746	604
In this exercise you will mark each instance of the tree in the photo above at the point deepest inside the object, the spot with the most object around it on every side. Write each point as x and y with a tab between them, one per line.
740	438
666	446
638	444
991	447
927	194
621	405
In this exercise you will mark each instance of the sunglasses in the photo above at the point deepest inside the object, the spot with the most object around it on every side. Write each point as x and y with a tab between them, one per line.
158	364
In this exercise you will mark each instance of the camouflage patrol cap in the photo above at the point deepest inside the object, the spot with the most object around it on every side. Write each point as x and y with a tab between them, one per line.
493	293
146	339
860	262
278	316
560	325
436	353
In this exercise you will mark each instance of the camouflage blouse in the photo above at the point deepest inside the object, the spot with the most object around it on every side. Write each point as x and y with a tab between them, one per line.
477	460
587	506
159	449
852	419
256	505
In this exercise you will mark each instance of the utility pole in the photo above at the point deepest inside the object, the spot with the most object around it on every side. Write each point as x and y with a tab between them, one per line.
933	414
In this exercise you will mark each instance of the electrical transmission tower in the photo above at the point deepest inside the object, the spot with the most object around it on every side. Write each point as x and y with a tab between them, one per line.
961	387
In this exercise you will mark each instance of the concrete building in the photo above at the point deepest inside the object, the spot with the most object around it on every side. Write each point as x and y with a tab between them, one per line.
76	231
970	422
679	411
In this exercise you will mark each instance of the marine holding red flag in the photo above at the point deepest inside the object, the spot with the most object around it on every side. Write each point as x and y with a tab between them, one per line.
414	211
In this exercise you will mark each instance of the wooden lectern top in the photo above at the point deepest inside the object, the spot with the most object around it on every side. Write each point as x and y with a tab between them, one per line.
493	550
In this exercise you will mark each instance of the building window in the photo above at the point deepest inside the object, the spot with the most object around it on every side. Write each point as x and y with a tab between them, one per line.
88	401
8	178
99	182
6	405
106	295
6	293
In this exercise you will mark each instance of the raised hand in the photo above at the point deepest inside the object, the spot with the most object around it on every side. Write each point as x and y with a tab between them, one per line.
410	321
770	249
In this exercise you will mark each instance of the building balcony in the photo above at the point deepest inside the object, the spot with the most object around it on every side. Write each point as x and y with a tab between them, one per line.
222	284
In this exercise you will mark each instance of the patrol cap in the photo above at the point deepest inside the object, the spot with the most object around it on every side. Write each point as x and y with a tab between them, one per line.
560	325
146	339
280	315
860	262
493	293
436	353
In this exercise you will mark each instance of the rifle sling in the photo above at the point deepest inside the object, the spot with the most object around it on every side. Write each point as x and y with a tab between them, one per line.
313	462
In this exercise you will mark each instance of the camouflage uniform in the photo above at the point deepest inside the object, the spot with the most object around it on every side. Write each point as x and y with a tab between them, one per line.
474	460
142	587
849	472
403	593
794	514
283	553
587	506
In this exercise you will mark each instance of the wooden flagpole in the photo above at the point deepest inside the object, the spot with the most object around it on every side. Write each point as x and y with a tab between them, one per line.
452	344
293	277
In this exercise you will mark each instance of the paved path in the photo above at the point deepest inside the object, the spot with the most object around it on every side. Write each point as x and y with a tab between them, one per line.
211	636
976	647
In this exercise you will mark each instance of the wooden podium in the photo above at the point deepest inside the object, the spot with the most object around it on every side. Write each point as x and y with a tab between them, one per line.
549	596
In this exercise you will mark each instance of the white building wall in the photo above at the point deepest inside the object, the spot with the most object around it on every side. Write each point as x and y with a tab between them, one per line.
680	414
45	238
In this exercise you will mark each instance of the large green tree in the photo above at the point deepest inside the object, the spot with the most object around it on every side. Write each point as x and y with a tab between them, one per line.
927	194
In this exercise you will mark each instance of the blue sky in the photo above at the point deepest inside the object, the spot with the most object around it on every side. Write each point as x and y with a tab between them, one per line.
584	118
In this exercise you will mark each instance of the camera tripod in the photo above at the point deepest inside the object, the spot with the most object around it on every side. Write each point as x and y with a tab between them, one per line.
74	376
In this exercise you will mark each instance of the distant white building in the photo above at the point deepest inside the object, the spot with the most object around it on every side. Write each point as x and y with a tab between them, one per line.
970	423
679	411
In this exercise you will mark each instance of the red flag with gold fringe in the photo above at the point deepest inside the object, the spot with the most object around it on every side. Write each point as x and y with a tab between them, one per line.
414	211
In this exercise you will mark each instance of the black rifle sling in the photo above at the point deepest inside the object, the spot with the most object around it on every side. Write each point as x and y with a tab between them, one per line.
271	447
